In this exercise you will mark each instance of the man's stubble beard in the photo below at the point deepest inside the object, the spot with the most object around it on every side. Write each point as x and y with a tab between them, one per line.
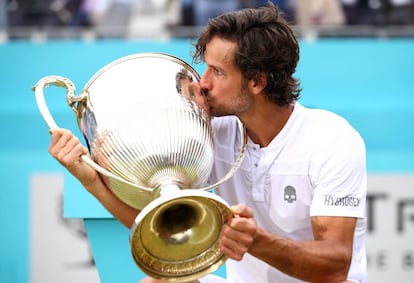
239	105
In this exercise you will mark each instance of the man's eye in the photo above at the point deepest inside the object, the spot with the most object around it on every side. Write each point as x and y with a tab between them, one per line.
218	72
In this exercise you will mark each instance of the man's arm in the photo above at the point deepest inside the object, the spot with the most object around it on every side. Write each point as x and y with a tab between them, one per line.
67	149
326	259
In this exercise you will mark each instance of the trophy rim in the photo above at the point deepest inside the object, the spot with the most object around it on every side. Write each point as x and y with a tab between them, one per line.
158	55
174	195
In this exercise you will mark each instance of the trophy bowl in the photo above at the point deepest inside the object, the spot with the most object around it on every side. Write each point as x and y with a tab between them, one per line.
153	146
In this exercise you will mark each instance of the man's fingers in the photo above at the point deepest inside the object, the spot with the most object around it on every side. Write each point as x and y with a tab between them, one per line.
234	243
65	147
242	210
238	234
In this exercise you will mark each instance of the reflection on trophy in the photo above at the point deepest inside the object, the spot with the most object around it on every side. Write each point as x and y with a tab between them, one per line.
154	148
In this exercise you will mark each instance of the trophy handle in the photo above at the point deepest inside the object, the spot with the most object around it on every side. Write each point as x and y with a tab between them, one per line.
78	104
242	151
40	99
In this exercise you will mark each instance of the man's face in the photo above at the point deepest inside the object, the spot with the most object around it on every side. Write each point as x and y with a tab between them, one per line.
227	92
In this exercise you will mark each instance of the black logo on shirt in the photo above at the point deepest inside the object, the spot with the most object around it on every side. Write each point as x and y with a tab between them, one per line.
290	194
350	200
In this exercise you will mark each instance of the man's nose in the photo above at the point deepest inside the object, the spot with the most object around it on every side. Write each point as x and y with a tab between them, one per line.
204	83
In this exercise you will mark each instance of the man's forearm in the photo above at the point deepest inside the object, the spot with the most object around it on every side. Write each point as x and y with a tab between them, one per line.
312	261
120	210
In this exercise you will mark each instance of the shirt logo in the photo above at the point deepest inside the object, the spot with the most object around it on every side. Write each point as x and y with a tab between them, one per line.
350	200
290	194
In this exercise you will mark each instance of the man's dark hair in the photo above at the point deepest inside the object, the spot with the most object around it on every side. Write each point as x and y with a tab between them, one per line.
265	44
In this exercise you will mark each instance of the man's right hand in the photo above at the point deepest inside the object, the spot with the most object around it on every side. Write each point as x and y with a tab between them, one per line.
67	149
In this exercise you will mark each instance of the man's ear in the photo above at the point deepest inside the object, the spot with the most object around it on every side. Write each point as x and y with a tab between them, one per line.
258	84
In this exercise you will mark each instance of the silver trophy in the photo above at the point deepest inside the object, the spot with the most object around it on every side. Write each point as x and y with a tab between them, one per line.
154	148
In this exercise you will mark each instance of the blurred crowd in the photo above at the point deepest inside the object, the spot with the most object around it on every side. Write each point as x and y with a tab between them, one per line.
151	15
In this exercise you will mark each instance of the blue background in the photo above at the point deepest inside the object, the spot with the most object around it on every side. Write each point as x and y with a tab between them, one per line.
368	81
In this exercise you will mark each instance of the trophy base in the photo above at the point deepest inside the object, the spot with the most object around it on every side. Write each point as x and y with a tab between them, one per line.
175	238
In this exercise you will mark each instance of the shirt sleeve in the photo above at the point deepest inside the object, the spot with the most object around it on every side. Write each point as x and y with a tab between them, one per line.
339	177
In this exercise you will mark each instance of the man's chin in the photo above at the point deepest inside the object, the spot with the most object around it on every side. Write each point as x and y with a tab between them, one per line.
219	114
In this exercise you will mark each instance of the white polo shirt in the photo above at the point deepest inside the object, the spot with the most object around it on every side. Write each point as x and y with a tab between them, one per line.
314	167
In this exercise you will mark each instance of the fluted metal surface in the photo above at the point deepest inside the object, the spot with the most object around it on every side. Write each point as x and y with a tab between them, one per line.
141	129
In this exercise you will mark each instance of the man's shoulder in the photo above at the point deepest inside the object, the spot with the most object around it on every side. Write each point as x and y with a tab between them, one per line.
325	127
325	120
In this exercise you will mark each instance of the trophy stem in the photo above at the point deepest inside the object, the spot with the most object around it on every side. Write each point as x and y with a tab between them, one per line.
165	190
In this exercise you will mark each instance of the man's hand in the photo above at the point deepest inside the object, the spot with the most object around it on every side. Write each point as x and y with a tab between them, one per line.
239	233
67	149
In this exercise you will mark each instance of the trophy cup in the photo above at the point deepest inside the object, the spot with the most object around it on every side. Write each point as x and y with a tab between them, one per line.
153	147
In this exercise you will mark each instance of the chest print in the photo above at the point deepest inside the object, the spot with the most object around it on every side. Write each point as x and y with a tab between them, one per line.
290	194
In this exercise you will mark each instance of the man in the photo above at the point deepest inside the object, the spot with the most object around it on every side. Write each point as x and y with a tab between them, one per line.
299	195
